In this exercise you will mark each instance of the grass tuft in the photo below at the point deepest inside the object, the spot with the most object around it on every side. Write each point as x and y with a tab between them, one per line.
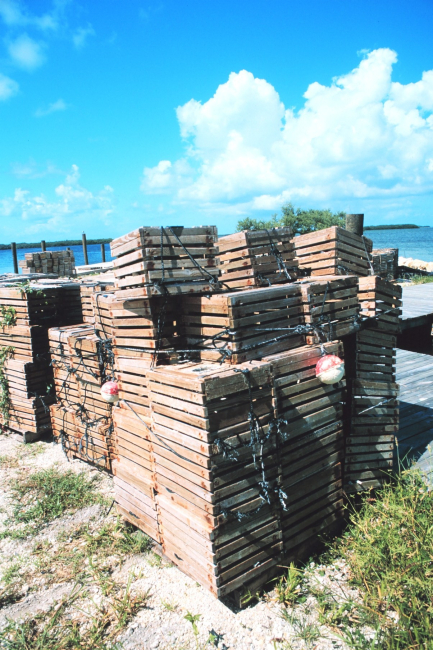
48	494
421	279
388	549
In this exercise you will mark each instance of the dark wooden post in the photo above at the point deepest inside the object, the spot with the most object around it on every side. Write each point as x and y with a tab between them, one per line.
86	259
14	256
43	246
355	223
103	252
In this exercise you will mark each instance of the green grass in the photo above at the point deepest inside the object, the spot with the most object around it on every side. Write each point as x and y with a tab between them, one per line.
386	602
104	547
389	549
422	279
46	495
8	462
290	587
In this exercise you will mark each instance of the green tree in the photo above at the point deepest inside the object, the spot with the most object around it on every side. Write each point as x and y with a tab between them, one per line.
301	221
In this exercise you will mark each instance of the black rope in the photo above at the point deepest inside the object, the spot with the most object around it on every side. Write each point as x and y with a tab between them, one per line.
211	278
278	257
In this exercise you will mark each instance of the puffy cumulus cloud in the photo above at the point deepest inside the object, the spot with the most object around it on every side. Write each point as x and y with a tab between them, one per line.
362	136
73	207
166	177
26	52
8	87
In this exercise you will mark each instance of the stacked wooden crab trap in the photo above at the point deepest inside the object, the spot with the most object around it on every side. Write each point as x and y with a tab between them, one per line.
235	430
82	417
210	380
27	311
62	263
373	420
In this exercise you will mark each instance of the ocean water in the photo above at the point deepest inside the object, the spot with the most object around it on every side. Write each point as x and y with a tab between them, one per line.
93	252
413	242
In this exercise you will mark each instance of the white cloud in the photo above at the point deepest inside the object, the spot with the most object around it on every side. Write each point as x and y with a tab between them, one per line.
31	169
80	36
15	15
55	107
73	207
362	136
8	87
166	176
26	52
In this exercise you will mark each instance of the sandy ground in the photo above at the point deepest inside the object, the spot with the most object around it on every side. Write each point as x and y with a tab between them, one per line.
171	594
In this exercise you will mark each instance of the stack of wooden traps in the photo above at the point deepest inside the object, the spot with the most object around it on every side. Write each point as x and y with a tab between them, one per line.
255	258
374	393
89	307
133	466
237	326
212	518
62	263
331	307
66	385
385	262
225	447
157	261
309	415
237	467
27	311
82	363
139	327
26	397
333	251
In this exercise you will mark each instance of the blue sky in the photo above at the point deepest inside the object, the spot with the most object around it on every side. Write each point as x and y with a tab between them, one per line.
117	114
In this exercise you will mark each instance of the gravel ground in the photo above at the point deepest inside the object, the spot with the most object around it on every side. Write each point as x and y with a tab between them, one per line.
171	594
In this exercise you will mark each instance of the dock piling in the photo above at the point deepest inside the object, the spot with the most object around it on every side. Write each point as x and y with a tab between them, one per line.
355	223
14	256
86	259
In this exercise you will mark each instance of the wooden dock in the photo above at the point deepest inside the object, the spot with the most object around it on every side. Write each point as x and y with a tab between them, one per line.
415	437
417	318
417	306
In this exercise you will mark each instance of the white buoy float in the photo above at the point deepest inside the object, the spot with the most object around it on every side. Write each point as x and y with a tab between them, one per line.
330	369
110	392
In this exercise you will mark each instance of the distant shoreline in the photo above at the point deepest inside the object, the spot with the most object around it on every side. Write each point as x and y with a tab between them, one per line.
66	242
405	226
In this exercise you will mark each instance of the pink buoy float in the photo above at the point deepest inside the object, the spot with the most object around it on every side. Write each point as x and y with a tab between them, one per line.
330	369
110	392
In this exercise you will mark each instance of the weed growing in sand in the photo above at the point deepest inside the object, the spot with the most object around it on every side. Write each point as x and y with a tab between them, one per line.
88	548
48	494
9	462
11	573
155	560
170	607
81	620
303	629
290	588
11	584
